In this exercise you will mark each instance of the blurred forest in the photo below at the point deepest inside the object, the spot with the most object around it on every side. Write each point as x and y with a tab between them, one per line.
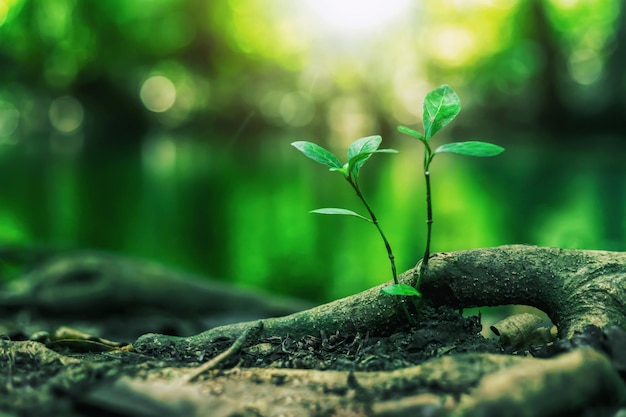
161	129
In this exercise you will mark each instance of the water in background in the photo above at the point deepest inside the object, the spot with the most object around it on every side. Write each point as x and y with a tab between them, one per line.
239	211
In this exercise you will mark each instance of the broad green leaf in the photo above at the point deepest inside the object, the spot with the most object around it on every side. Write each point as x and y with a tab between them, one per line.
440	106
364	145
340	211
410	132
361	149
317	153
357	161
401	289
471	148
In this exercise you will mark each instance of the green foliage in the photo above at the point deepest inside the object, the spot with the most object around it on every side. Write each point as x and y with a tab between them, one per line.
471	148
401	290
441	106
345	212
411	132
317	153
358	153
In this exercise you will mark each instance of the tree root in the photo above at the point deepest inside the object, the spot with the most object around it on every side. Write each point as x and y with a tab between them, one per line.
232	350
576	288
442	387
557	386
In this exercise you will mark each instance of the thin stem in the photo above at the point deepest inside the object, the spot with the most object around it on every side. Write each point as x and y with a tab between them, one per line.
354	185
392	261
429	227
428	157
429	217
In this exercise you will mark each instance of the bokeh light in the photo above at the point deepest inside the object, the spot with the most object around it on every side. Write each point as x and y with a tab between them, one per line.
297	109
66	114
585	66
181	113
158	93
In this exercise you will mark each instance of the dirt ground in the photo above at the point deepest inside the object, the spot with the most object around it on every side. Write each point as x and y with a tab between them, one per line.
55	361
81	377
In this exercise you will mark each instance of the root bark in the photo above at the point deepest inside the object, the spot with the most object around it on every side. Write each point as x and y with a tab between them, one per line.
576	288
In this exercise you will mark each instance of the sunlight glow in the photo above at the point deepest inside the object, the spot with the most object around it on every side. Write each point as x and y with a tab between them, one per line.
352	16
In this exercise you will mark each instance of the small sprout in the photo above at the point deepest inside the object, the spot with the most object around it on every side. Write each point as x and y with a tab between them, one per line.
358	153
441	106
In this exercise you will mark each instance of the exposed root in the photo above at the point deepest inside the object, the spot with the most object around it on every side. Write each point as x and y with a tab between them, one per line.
232	350
575	288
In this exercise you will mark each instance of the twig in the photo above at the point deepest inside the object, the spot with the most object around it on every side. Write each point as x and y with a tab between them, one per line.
233	349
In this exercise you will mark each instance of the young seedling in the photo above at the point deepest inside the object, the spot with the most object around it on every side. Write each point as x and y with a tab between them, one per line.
441	106
358	153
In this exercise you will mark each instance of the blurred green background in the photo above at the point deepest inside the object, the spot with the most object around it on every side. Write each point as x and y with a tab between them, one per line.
161	129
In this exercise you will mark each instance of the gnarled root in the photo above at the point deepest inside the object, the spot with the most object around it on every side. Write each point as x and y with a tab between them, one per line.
575	288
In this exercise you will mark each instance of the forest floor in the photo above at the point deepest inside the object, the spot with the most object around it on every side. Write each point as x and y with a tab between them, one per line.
54	361
83	377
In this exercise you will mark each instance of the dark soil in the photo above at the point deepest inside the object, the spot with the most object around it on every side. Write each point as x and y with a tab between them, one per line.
66	379
441	331
54	360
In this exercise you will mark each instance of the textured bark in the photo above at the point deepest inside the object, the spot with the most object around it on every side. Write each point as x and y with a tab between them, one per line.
575	288
539	387
91	282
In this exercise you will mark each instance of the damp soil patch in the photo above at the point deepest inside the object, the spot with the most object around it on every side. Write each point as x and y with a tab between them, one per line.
72	379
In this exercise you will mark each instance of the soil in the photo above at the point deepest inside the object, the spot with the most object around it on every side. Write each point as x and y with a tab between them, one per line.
55	362
75	377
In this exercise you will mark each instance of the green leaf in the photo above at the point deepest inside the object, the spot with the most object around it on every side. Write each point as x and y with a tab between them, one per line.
364	145
402	290
471	148
410	132
360	151
340	211
317	153
440	106
356	162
